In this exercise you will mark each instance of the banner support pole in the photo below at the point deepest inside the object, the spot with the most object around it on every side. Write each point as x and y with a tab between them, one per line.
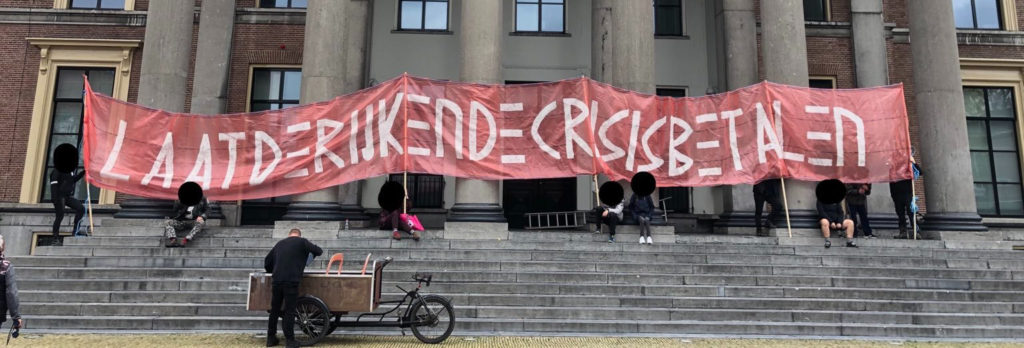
785	207
88	200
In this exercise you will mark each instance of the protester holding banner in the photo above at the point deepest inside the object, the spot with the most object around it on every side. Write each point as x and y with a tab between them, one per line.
902	193
857	205
392	198
767	191
62	189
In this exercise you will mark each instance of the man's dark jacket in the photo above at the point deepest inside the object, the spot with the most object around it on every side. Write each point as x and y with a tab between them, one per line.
199	210
287	260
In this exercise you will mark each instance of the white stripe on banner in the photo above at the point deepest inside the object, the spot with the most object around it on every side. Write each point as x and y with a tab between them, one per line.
511	133
416	98
303	152
819	136
298	173
511	107
298	127
706	118
513	159
792	156
419	125
709	171
707	144
823	162
419	151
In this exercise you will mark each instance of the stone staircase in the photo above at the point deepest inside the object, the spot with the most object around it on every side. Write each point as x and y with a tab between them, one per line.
552	283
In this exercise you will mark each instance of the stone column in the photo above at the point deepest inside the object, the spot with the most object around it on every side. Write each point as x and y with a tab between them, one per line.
164	79
481	39
938	94
349	195
784	54
740	28
323	78
872	68
210	78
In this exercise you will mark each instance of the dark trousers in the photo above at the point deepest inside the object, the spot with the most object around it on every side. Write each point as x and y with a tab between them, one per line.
859	215
58	206
287	294
759	200
393	221
611	220
901	193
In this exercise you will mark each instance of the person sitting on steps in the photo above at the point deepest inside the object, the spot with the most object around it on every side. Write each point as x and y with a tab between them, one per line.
642	207
393	219
192	217
610	216
831	218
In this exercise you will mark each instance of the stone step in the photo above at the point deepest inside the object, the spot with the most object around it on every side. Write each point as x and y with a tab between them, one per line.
549	326
521	271
499	261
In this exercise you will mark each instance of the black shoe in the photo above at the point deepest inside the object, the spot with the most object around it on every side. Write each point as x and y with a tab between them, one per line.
828	244
171	242
272	341
291	344
851	244
762	233
57	242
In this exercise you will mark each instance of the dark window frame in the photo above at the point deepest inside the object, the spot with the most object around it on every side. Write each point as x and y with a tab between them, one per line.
44	198
264	3
831	80
426	191
252	91
826	7
993	181
680	9
423	17
680	201
540	18
974	16
99	6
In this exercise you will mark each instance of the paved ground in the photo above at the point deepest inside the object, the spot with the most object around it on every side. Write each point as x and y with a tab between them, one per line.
237	340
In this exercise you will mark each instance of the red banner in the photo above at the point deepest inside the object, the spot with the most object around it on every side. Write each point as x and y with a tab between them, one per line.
546	130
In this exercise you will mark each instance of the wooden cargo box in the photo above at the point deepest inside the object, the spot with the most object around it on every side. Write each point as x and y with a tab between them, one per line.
347	292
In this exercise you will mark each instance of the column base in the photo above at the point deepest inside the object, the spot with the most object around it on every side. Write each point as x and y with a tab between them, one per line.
953	222
143	208
315	211
476	212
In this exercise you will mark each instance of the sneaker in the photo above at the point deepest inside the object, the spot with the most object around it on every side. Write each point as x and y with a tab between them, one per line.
851	244
597	231
184	241
870	236
273	341
396	235
416	236
828	244
649	240
57	242
611	239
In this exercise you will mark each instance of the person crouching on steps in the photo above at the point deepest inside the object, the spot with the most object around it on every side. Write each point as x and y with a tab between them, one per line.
642	207
192	217
610	216
392	219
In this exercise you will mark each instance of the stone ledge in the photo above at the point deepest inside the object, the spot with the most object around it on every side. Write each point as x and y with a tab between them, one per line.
74	17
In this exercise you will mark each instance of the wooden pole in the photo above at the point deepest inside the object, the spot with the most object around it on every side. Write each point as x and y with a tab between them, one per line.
405	189
785	207
913	194
88	200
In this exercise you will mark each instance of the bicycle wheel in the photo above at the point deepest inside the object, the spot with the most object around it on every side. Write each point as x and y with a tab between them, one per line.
437	319
313	319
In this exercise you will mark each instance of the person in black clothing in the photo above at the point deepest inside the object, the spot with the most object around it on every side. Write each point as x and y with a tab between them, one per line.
62	193
192	217
902	193
833	217
9	301
767	191
857	205
287	262
642	207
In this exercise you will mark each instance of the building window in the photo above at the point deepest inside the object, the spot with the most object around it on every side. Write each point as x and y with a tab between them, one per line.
275	88
992	135
97	4
66	119
977	14
676	92
822	82
547	16
425	190
283	3
668	17
816	10
423	15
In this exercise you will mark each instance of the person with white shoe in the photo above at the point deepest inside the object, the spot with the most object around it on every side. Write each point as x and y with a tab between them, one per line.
642	207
